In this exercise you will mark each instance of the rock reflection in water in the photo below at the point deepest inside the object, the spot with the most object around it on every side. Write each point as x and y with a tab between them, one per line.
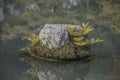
63	71
75	70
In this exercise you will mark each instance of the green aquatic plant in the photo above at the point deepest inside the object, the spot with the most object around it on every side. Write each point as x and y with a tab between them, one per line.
85	28
33	40
79	35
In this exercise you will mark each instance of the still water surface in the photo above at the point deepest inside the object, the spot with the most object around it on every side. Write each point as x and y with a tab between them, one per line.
105	64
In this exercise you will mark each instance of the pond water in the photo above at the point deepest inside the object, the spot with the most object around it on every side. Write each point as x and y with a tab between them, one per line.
23	17
105	64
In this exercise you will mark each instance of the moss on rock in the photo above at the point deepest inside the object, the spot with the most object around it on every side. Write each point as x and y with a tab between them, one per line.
66	52
77	47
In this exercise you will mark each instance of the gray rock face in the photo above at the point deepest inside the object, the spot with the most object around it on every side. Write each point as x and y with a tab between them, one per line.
54	35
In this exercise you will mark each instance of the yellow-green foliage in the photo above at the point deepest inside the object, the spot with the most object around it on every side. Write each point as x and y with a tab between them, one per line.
34	39
85	28
93	41
83	42
71	31
79	36
79	41
82	30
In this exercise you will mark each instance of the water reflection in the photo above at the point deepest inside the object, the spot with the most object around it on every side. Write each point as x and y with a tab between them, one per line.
100	68
68	71
43	70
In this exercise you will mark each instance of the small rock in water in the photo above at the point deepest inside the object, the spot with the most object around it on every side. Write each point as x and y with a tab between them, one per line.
54	35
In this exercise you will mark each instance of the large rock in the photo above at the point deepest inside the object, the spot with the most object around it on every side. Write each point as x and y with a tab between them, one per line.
54	35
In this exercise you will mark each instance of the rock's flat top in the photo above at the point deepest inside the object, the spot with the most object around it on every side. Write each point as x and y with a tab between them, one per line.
54	35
